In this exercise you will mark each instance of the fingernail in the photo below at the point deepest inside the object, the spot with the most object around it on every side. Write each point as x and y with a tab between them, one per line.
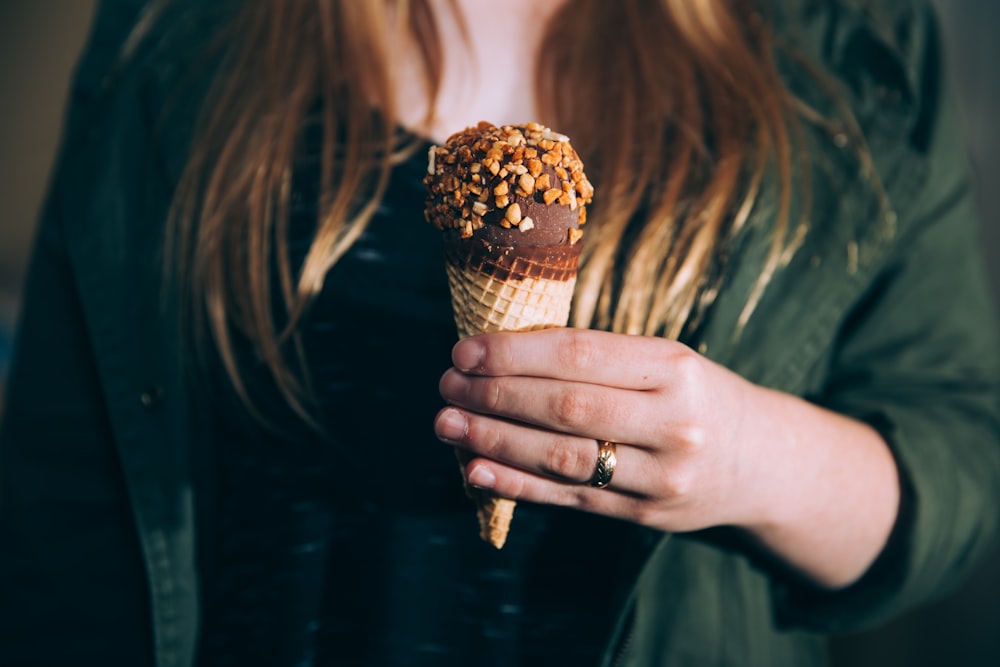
452	425
467	355
482	478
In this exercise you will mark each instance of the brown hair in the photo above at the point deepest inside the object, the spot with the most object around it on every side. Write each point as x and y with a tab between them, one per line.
675	105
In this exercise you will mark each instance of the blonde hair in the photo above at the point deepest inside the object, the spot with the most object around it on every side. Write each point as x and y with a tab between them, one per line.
675	105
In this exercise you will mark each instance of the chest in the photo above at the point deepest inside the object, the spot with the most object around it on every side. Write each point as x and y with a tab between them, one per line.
487	67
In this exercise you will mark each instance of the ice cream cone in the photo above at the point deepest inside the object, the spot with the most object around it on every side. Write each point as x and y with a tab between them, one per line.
511	202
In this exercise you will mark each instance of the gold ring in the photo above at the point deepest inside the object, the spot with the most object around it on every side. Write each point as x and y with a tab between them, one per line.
607	459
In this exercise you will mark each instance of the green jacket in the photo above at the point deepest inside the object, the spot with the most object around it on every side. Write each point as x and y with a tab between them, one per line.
882	313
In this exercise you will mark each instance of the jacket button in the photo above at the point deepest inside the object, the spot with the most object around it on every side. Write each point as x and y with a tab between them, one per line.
151	397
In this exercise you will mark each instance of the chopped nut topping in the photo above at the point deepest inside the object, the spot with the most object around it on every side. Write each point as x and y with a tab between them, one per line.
490	173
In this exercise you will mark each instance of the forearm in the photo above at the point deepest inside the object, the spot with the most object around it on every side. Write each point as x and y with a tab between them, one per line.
828	494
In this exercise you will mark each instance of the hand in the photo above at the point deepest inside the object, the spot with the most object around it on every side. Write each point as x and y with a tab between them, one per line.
699	446
532	407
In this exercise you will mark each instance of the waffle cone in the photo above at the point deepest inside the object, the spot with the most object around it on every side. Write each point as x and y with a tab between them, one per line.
503	288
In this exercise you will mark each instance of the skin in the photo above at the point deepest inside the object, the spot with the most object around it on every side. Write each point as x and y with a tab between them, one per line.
699	445
473	87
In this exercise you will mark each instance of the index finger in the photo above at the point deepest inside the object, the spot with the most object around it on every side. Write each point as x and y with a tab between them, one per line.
577	355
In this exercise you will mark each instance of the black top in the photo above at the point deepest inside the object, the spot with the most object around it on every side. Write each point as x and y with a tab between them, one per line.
361	547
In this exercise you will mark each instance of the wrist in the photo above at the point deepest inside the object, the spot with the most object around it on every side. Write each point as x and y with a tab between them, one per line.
825	491
766	480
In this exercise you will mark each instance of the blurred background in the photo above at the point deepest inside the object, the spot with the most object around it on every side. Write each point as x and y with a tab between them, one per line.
39	43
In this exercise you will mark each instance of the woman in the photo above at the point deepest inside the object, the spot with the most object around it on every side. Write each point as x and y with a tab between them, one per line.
238	468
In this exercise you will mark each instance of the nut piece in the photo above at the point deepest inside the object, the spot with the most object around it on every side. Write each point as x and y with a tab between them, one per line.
513	214
527	184
551	195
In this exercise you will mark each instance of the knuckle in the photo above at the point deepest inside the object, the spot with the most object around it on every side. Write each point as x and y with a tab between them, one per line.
680	484
691	438
484	437
491	393
517	489
687	367
499	355
571	407
576	351
566	462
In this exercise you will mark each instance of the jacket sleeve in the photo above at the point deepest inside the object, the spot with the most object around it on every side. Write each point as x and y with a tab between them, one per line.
919	359
73	587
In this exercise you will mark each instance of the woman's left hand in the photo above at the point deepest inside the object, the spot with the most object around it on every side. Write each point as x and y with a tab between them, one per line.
698	446
533	406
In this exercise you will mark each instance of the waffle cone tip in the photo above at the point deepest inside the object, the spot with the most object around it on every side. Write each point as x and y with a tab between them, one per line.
493	512
495	515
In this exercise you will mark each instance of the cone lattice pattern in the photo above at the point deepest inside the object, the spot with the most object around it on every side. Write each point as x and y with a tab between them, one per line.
483	303
511	294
